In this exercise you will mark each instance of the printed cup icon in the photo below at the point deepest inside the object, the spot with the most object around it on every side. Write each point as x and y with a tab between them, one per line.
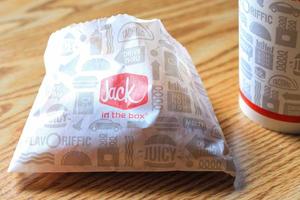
68	46
124	91
286	32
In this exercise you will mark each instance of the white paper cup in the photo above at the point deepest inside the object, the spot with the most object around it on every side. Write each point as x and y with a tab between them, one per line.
270	63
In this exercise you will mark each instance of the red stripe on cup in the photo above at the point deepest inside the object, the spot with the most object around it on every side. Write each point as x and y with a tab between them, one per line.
269	114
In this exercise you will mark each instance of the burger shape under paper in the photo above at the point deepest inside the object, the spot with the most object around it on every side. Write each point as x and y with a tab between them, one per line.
124	96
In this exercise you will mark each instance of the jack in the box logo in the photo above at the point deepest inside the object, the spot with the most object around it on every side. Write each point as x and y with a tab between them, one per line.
124	91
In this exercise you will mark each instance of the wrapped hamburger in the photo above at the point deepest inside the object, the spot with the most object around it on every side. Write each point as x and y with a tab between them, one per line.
120	94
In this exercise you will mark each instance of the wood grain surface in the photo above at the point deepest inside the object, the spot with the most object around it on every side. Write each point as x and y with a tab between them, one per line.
268	161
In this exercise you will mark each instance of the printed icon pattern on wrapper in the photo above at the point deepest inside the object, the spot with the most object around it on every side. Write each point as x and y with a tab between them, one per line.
76	158
57	116
108	151
270	78
58	91
78	125
160	152
96	64
84	103
129	151
122	99
36	158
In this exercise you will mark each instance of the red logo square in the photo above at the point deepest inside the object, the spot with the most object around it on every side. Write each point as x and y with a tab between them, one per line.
124	91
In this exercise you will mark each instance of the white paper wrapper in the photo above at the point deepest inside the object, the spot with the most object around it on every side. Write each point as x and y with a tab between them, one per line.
270	63
120	94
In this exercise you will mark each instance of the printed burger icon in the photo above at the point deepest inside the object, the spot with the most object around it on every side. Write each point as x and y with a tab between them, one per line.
160	152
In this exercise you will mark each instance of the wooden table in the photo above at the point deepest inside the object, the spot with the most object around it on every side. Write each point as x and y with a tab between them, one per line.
268	161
